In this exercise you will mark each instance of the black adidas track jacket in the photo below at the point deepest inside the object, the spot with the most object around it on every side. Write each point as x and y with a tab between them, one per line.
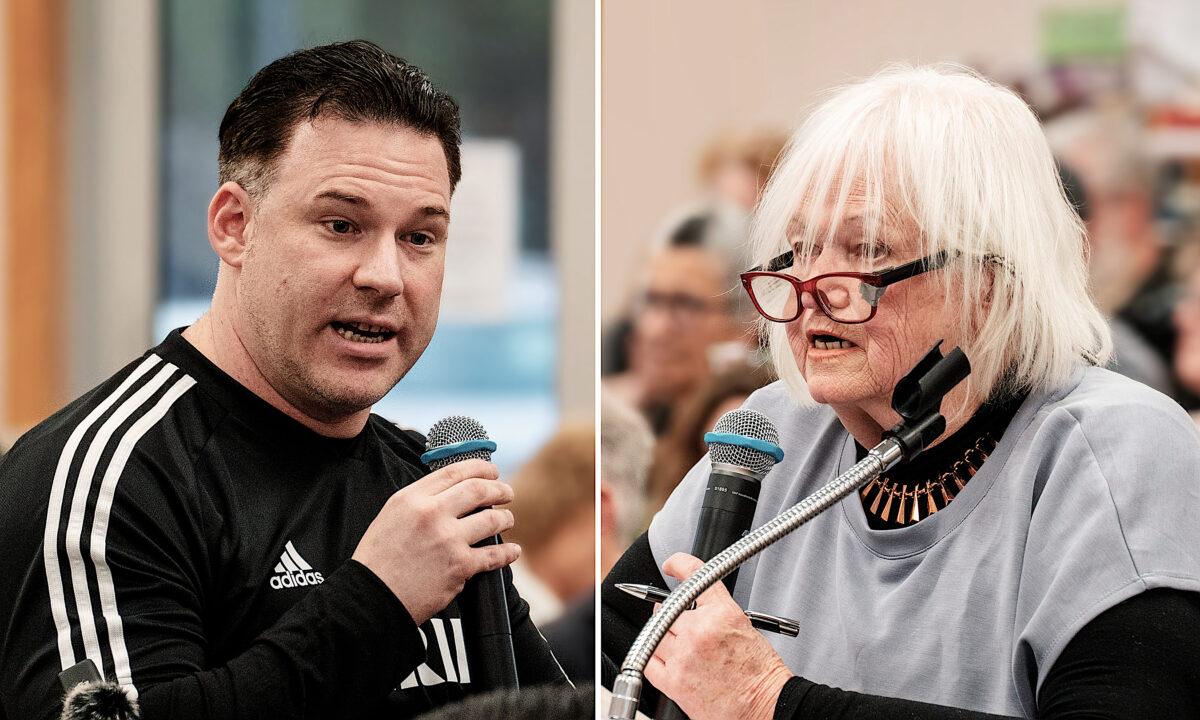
194	542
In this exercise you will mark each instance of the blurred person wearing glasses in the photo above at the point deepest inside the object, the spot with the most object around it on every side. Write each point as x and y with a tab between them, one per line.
687	316
1040	559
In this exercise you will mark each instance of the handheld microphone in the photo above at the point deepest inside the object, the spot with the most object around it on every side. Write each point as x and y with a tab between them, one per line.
483	599
743	446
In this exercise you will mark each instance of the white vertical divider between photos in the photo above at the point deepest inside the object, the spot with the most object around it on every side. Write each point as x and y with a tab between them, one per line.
113	74
572	202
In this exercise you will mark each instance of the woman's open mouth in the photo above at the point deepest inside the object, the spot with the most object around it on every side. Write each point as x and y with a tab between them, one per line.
830	342
358	332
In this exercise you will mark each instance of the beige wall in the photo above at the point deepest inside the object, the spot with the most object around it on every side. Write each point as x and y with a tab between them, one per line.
676	72
113	184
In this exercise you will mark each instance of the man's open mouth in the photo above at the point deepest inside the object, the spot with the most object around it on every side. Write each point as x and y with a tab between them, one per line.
359	332
830	342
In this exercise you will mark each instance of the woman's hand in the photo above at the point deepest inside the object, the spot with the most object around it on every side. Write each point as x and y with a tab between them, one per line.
712	662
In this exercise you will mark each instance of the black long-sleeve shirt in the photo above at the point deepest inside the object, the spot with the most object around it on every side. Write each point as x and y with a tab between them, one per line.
1139	659
194	542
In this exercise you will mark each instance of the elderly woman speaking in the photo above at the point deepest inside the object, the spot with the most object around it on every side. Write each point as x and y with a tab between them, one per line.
1043	558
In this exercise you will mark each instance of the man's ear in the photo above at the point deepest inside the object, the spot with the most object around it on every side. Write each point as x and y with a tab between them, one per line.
229	215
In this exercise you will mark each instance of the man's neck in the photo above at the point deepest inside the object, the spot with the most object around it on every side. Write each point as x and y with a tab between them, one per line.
218	340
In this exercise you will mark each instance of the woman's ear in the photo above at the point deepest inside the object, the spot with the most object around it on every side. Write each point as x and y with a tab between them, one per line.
229	215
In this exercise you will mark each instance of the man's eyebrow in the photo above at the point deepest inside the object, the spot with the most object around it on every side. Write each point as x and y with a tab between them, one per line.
351	199
345	197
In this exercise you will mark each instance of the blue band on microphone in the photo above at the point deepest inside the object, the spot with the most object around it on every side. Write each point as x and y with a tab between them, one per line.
763	446
458	448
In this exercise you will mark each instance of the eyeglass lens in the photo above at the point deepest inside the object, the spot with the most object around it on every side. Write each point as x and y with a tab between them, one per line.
841	298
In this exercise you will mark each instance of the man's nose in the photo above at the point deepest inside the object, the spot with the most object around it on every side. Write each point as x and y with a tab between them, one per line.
381	267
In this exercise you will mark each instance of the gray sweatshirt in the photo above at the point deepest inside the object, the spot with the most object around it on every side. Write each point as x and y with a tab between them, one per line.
1091	497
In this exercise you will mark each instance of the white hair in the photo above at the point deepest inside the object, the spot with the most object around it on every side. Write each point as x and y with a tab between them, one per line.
964	162
626	449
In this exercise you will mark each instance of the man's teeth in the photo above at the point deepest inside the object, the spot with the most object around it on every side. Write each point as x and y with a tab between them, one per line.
349	334
832	345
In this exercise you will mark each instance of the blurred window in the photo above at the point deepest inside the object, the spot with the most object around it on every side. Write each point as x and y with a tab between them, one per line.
493	356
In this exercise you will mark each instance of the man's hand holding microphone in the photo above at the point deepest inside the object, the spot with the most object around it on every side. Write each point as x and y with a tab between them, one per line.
420	543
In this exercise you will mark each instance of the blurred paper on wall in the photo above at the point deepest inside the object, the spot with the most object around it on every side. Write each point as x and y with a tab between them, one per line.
484	227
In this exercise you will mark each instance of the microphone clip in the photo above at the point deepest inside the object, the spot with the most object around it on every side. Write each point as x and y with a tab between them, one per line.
918	398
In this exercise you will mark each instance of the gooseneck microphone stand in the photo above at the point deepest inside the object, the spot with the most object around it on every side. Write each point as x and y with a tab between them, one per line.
918	400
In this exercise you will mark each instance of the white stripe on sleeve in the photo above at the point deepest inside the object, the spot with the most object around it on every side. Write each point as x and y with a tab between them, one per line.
58	604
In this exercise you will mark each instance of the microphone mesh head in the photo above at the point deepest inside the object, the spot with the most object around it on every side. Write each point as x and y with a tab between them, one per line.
455	429
746	423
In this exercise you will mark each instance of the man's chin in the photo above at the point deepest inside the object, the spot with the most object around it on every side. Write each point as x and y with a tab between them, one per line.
346	398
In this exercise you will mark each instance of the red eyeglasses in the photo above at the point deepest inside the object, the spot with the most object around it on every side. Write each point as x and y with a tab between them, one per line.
845	297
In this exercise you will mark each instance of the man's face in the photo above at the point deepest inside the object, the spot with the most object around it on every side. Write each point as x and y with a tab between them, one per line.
341	279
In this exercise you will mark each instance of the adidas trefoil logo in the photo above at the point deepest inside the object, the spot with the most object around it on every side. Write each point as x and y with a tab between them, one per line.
292	571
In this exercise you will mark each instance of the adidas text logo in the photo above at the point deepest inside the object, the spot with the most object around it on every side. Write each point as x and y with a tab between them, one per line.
292	571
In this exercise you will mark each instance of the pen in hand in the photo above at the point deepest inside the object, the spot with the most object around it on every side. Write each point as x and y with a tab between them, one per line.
762	621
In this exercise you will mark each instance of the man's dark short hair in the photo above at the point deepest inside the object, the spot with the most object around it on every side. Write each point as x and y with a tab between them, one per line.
356	81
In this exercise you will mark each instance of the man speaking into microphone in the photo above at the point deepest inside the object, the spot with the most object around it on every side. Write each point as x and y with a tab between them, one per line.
223	528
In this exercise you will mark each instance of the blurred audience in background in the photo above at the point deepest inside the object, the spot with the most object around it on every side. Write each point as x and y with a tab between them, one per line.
682	445
1187	345
735	165
1108	179
689	316
555	524
626	448
554	512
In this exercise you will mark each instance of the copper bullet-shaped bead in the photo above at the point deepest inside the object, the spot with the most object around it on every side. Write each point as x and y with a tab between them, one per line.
946	496
875	505
887	506
900	511
916	511
931	505
867	490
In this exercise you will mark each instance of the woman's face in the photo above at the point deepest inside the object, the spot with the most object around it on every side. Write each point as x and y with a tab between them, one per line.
857	366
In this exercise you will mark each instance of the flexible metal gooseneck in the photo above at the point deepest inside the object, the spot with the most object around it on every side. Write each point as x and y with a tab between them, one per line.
917	399
627	688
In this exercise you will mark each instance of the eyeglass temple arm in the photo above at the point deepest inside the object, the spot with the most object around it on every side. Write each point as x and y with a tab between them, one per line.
775	264
907	270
